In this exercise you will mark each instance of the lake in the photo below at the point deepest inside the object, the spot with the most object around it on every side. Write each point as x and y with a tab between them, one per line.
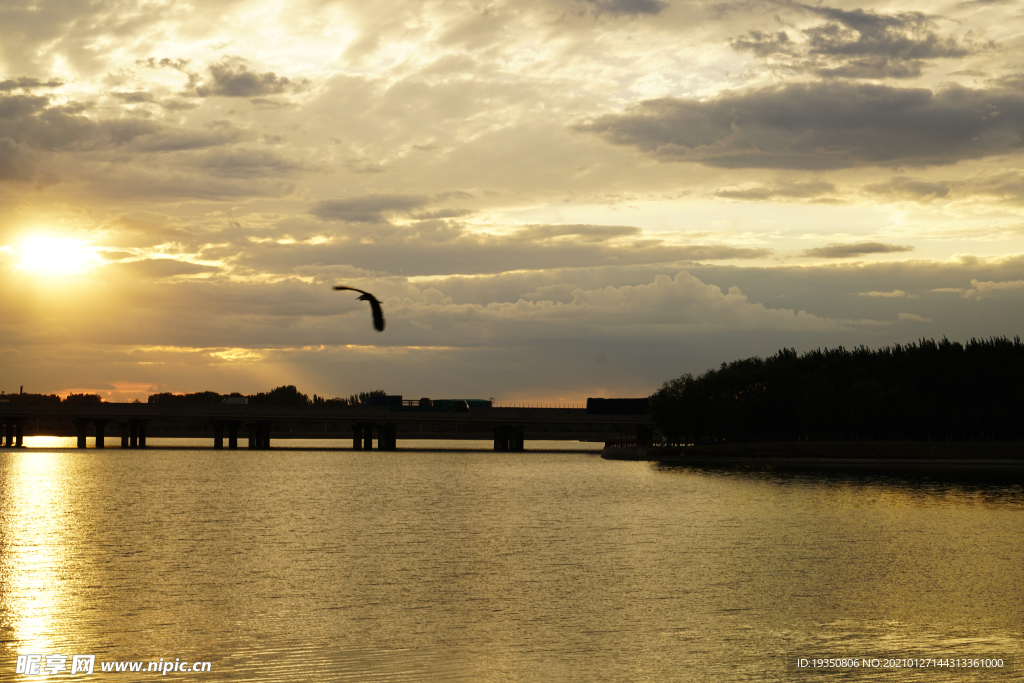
445	564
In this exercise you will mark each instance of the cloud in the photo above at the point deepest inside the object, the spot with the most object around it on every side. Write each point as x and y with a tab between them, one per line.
682	300
910	188
764	44
34	121
17	162
368	208
630	8
858	44
246	163
875	68
442	213
826	125
905	35
986	288
811	189
837	250
894	294
231	78
433	248
156	269
134	97
913	317
26	83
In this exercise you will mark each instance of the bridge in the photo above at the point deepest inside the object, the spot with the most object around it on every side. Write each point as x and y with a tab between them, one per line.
226	425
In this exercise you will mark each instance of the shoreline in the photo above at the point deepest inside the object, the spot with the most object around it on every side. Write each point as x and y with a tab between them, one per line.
939	457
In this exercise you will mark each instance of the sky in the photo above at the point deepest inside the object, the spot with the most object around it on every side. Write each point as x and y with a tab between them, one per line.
553	199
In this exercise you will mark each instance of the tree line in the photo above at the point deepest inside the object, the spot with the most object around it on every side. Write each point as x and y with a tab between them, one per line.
286	395
924	390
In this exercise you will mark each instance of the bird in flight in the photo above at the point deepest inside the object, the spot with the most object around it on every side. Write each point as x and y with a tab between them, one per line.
378	314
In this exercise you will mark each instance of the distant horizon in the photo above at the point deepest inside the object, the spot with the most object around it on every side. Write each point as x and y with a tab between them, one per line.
347	394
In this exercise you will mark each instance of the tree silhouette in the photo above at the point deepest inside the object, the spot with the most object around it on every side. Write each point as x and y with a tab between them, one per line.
923	390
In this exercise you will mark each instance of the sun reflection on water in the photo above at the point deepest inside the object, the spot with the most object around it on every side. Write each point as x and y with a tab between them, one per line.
33	529
53	441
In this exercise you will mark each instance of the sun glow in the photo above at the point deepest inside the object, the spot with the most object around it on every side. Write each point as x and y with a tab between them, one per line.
56	256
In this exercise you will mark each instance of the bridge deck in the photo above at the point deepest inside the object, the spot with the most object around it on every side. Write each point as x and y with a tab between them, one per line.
259	423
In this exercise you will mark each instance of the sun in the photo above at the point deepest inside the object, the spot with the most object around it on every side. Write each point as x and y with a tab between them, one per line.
56	256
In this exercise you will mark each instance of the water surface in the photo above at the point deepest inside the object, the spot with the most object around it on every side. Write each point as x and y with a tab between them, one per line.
437	565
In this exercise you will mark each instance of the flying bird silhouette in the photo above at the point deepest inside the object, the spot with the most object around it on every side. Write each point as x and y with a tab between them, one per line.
378	314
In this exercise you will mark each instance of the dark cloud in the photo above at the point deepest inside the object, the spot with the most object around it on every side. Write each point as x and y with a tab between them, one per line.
812	189
367	209
823	126
442	213
33	121
764	44
1005	185
626	7
26	83
442	247
17	162
134	97
157	269
909	188
876	68
164	63
858	249
859	44
232	78
247	163
906	35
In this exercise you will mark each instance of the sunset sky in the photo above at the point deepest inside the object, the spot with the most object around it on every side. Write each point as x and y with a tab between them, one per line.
553	199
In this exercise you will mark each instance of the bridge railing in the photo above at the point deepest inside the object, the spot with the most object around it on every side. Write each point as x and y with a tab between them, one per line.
634	442
532	404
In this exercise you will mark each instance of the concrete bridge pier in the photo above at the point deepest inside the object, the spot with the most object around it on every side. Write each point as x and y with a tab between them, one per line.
387	438
516	439
508	439
14	431
501	439
218	433
126	434
137	435
100	425
362	437
259	434
82	426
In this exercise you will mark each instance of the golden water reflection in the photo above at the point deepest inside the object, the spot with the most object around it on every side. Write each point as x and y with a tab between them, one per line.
298	565
55	441
35	586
